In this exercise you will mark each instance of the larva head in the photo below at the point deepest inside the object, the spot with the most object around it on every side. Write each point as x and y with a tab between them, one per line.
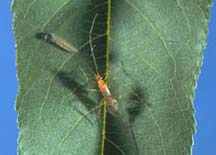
45	36
48	37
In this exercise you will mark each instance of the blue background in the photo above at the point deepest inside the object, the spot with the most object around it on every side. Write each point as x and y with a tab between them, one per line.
204	140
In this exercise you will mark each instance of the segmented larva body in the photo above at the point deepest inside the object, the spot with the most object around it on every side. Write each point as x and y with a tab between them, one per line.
52	38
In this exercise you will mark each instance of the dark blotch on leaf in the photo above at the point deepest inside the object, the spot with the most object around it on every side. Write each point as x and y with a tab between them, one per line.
137	102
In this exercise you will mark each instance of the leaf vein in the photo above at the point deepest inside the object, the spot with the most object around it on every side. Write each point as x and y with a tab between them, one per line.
49	86
154	29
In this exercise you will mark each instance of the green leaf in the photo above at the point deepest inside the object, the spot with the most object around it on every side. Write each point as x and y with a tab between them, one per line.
148	51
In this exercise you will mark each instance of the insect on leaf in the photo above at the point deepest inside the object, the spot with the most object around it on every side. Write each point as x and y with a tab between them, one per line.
148	52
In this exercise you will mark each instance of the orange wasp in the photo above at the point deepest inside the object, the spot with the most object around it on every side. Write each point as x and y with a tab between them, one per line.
111	102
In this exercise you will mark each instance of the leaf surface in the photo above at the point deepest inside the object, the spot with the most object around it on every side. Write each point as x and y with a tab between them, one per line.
148	51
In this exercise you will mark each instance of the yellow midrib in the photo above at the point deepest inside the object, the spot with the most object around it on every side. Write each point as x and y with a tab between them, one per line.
107	75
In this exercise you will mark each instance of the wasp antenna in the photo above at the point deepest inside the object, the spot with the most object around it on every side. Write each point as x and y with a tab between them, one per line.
90	42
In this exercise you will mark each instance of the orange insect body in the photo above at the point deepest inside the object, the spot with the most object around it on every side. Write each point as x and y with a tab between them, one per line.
101	84
111	102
